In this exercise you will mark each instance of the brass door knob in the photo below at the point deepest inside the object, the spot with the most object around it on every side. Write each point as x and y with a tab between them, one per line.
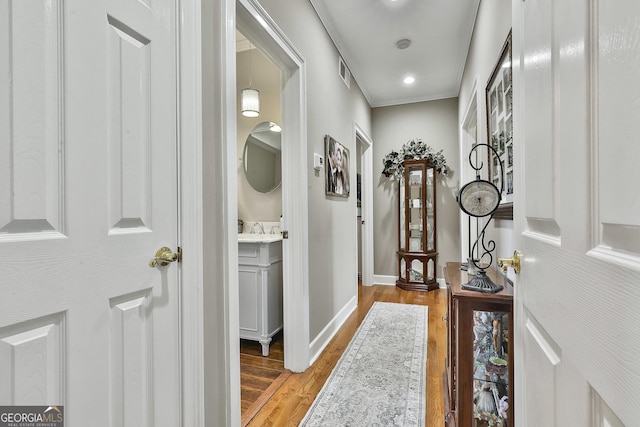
165	256
513	262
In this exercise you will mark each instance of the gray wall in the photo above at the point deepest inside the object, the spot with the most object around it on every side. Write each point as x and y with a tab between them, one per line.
436	123
331	109
490	32
265	76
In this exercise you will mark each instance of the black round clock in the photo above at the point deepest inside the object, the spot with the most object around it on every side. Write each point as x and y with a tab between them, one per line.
479	198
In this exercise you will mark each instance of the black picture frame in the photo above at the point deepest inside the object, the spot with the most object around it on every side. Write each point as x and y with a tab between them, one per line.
337	179
499	101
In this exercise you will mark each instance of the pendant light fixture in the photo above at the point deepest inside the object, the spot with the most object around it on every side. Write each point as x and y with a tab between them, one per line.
250	97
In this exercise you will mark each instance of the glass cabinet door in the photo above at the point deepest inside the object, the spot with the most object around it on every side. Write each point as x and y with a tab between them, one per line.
430	220
403	237
416	205
490	370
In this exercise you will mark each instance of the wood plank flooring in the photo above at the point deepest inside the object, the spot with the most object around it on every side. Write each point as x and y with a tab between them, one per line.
260	376
296	392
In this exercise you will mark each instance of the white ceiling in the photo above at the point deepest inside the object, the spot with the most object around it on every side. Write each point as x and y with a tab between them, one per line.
366	32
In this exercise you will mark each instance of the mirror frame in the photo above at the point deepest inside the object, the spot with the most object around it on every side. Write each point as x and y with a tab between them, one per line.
494	136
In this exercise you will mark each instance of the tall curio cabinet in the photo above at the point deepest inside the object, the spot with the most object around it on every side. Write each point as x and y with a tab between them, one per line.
417	254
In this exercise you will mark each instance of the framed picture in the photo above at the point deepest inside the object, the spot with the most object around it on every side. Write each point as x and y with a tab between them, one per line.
499	98
336	168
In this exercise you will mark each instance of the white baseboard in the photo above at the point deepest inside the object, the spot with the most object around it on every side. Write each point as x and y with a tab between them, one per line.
323	338
441	283
379	279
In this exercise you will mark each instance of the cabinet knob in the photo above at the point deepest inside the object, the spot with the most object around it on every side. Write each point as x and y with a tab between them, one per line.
513	262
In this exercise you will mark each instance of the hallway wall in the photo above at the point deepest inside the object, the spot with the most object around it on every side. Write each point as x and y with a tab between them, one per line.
435	122
490	32
265	76
332	109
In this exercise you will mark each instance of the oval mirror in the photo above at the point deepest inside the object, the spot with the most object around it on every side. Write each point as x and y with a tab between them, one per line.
261	158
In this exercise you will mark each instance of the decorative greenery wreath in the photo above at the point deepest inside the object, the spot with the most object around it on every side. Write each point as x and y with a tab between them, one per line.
413	149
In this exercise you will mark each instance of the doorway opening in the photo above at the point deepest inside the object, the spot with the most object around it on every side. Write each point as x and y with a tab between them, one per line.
364	214
256	25
259	196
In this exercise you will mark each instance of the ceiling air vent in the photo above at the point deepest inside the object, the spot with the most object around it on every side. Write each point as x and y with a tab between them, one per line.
344	73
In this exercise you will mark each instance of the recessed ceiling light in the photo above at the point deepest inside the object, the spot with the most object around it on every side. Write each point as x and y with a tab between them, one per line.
409	80
403	43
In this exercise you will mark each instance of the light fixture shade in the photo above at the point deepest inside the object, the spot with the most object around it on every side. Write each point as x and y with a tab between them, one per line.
250	102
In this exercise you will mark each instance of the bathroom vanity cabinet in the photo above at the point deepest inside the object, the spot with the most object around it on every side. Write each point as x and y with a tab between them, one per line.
478	380
260	287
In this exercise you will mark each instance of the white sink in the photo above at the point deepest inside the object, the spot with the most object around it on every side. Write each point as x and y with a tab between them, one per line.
259	238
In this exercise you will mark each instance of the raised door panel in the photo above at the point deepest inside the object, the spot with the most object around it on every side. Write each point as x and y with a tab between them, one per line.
32	362
273	301
31	119
564	392
617	90
541	207
603	416
131	359
250	289
542	357
129	128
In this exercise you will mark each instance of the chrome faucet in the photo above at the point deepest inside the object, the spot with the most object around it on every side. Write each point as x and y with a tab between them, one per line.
259	224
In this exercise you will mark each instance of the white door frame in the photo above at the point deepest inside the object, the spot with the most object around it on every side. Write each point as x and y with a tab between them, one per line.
208	228
255	23
367	204
208	183
467	174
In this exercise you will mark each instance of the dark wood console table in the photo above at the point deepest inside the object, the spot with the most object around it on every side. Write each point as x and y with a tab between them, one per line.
478	381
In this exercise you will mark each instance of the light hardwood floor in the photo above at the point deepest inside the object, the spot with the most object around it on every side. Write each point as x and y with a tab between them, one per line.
295	392
260	376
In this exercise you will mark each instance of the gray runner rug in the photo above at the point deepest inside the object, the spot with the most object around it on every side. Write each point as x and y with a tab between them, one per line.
380	380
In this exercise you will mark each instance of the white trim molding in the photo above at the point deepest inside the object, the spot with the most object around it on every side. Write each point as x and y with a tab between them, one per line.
379	279
254	22
466	141
329	331
219	210
367	205
191	218
209	334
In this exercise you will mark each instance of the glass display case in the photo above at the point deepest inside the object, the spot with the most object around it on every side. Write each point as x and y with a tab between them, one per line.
417	254
490	368
479	375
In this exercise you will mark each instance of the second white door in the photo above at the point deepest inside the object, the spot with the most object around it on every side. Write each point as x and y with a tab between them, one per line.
88	193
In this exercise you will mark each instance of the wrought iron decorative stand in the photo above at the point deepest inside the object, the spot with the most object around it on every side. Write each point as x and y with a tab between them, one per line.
481	282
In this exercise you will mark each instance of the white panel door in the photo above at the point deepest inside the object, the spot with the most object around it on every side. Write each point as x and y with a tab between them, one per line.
88	193
577	219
